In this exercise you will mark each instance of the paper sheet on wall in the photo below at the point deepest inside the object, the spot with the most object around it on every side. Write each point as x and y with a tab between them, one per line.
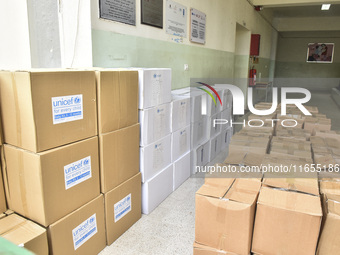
123	11
176	19
197	26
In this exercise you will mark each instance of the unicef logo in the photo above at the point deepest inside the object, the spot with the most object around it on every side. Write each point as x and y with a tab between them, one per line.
86	162
155	76
77	100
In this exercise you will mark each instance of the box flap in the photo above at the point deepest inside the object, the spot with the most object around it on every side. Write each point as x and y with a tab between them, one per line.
333	207
291	201
10	222
200	249
306	185
244	191
331	189
215	187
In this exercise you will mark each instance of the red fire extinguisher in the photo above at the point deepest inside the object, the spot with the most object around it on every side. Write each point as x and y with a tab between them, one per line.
252	76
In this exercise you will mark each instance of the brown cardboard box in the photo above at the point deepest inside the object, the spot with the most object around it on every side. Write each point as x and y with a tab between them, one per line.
123	208
252	137
261	147
119	156
200	249
117	92
225	214
331	134
329	242
44	109
81	232
244	158
47	186
293	133
268	132
286	223
3	205
24	233
317	123
307	185
282	146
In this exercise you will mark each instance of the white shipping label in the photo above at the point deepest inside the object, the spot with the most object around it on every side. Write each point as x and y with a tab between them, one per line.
183	141
67	108
157	85
159	124
84	231
182	113
122	207
158	156
77	172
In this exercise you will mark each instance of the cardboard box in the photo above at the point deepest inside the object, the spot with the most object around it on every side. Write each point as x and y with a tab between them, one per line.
80	232
251	137
155	123
157	189
225	213
306	185
215	146
119	156
200	249
202	154
249	146
226	137
3	204
44	109
329	242
330	188
24	233
53	183
117	92
155	157
226	115
286	223
180	142
200	132
320	124
196	98
257	131
330	134
180	112
295	134
215	129
282	146
226	96
154	86
181	170
123	208
244	158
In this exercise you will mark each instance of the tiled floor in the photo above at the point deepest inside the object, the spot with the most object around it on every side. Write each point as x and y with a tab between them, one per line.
170	228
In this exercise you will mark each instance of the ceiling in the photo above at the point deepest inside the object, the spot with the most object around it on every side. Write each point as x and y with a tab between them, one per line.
304	11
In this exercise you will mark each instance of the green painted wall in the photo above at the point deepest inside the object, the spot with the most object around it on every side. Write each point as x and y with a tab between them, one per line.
116	50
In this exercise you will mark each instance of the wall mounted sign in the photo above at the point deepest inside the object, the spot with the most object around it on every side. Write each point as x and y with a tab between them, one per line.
152	12
320	52
197	26
176	19
123	11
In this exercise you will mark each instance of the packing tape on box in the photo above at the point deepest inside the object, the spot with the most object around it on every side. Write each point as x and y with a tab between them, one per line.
17	112
221	213
222	242
22	181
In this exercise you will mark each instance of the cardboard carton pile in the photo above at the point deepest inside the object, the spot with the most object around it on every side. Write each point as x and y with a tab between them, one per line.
71	157
288	216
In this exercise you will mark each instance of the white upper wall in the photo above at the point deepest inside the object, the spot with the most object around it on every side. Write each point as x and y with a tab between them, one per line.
14	43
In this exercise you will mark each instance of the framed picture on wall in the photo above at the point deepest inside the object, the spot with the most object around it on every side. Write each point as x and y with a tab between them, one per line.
320	52
152	13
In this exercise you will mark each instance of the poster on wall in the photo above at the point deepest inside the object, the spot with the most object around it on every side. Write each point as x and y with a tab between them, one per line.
152	13
123	11
197	26
176	19
320	52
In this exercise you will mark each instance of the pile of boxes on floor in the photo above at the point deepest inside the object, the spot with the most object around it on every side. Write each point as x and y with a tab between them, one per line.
70	160
269	213
207	140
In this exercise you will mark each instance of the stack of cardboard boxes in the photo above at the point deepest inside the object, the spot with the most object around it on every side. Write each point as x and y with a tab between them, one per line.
50	159
207	139
118	128
84	189
288	207
155	142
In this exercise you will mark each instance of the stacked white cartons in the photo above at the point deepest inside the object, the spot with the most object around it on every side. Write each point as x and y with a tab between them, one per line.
155	141
226	114
180	137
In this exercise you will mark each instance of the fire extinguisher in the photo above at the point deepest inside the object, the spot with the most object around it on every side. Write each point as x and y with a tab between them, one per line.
252	76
